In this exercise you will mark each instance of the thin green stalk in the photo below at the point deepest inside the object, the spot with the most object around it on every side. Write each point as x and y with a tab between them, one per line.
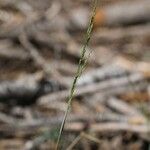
81	65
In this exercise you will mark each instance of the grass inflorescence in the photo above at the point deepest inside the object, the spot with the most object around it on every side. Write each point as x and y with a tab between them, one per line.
81	66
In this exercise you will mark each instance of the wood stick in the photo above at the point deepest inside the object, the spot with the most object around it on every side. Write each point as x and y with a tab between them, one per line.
113	127
8	50
111	86
101	74
142	67
124	13
108	127
27	86
122	107
117	34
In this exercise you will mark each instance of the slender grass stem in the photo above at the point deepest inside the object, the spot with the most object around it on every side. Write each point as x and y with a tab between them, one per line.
81	65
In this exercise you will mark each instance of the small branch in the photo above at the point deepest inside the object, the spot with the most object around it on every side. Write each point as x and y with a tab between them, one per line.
124	13
75	141
110	86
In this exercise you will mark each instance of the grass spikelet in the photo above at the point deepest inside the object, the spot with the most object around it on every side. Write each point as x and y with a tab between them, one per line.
81	66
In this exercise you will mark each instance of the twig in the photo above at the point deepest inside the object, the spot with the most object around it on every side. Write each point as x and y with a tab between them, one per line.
91	138
124	13
99	117
101	74
110	86
115	34
10	51
34	53
108	127
117	126
83	135
75	141
40	61
27	86
7	119
142	67
122	107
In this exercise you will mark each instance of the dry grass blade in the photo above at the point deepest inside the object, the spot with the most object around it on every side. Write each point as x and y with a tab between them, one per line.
81	65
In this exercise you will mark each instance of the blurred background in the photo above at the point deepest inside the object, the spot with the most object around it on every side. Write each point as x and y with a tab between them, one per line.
40	43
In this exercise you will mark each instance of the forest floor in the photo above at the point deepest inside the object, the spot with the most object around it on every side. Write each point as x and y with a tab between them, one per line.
40	43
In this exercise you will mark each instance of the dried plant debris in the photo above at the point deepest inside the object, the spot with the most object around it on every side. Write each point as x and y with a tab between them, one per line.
40	44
